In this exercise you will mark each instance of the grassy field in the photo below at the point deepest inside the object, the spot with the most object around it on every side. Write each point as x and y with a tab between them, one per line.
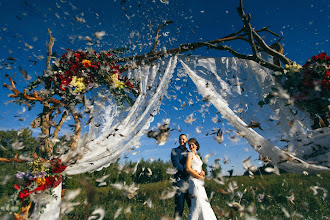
288	196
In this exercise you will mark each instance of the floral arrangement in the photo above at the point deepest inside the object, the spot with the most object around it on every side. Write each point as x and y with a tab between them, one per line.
309	87
310	81
77	72
43	175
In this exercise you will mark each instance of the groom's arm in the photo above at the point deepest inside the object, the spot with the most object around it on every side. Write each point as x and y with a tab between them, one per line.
176	162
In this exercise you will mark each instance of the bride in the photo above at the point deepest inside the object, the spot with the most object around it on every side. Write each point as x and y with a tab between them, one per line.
200	207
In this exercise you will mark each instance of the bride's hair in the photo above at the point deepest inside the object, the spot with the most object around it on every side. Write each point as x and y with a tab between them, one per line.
193	140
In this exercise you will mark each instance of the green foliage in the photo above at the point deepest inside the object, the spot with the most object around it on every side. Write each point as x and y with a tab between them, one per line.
8	178
14	142
11	143
266	197
158	171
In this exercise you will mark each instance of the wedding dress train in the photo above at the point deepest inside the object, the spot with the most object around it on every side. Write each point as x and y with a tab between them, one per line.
200	208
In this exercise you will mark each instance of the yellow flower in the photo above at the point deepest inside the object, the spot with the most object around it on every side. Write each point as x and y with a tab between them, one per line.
41	181
116	82
78	83
37	165
293	68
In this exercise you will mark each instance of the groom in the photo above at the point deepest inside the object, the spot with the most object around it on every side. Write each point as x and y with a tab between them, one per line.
179	157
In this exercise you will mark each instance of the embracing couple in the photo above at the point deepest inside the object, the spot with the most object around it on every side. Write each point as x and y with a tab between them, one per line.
190	181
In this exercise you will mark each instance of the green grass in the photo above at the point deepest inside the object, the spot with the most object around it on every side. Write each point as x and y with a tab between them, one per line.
274	205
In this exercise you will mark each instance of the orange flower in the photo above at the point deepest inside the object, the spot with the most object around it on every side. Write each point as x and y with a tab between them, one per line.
41	181
87	63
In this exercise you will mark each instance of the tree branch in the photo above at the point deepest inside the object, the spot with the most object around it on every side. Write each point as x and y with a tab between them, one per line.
157	36
261	42
246	57
270	51
50	48
59	125
26	96
77	130
15	159
257	46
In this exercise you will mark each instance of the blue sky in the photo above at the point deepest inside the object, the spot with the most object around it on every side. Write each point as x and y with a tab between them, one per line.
23	35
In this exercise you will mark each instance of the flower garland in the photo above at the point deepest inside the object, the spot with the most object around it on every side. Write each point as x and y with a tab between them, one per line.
41	176
77	72
310	81
309	87
80	71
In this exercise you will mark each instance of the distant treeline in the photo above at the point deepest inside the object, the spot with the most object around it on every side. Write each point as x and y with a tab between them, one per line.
140	172
137	172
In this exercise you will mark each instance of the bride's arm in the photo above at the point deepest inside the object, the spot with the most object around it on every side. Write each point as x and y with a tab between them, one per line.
202	173
190	170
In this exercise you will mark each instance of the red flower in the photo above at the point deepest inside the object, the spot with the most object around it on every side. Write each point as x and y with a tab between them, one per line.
321	56
57	166
62	88
16	186
326	84
24	194
76	54
58	169
74	68
64	83
40	188
327	74
53	181
129	85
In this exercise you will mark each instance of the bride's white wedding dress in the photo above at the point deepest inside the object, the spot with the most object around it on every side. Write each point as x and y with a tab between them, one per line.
200	207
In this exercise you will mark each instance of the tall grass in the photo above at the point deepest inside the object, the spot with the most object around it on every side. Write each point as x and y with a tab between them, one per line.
288	196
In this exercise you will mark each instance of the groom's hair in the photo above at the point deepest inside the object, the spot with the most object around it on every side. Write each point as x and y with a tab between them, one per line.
193	140
182	135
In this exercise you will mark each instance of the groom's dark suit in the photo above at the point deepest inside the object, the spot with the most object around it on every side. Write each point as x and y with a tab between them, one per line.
179	158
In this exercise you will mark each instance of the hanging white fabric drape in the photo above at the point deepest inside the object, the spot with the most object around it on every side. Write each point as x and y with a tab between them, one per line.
120	130
235	85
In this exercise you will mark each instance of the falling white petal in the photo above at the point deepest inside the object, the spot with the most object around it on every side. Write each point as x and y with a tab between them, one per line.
206	158
149	173
148	203
190	119
100	180
99	35
198	131
98	214
17	145
117	212
171	171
